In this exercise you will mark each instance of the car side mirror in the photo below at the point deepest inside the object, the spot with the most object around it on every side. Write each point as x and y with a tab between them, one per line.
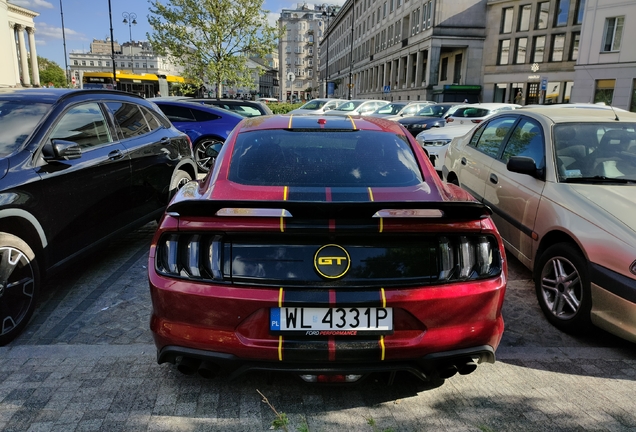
326	109
213	150
61	150
524	165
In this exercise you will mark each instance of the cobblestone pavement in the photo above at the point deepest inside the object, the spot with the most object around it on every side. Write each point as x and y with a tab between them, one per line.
87	363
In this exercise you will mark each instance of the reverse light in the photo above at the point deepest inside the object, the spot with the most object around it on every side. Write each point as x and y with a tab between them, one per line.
466	258
330	378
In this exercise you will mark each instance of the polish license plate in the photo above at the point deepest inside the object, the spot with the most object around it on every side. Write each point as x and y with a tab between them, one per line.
340	321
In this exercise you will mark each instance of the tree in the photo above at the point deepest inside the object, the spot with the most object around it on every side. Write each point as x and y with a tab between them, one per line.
50	72
212	39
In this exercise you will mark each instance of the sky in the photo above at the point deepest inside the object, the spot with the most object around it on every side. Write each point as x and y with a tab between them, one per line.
85	20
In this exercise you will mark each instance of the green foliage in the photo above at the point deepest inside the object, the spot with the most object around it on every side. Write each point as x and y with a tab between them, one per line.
50	72
281	422
283	108
212	39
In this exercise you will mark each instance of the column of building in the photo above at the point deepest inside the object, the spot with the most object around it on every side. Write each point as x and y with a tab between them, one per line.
22	65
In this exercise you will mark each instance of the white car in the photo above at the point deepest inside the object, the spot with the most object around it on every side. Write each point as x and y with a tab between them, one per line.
357	107
435	142
476	113
398	110
562	187
318	106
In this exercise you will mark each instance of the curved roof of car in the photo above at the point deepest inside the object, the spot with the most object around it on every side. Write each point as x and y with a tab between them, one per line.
51	95
202	107
569	115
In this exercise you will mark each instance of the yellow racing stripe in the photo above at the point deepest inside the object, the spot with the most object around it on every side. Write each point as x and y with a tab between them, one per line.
381	219
352	122
280	338
382	347
282	214
290	121
383	297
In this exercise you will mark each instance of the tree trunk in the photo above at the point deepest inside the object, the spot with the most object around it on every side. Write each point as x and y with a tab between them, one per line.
219	90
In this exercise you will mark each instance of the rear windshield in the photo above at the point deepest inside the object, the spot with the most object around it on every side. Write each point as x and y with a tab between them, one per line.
323	158
471	112
17	121
313	105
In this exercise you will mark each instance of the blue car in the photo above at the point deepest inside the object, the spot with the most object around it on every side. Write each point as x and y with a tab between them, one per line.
205	125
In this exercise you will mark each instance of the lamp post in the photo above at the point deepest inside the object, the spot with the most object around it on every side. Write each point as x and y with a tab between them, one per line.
327	13
112	46
66	71
130	19
353	15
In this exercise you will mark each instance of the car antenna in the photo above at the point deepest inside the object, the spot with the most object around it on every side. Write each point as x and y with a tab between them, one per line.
615	115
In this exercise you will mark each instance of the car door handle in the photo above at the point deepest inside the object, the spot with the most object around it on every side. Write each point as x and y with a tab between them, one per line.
463	161
115	154
165	139
494	179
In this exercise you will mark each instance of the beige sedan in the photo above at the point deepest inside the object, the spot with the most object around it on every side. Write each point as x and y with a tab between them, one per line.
562	186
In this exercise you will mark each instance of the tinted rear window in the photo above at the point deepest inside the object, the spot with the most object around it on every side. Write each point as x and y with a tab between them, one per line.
471	112
17	121
325	158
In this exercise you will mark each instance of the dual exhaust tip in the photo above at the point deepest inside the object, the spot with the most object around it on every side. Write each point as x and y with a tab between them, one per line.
190	366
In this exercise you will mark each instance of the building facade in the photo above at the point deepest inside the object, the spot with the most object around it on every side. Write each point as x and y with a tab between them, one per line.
298	50
531	50
406	50
606	68
17	47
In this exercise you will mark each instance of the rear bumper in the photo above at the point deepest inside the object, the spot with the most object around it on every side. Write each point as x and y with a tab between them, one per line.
426	368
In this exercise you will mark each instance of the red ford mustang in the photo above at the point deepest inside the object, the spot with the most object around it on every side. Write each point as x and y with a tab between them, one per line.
327	247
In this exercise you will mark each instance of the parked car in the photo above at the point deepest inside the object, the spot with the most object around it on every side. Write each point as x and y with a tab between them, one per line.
431	116
246	108
77	167
357	107
435	142
562	186
317	106
206	125
326	247
399	110
476	113
267	100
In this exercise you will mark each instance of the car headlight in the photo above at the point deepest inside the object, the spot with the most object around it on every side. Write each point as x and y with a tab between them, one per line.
418	126
436	143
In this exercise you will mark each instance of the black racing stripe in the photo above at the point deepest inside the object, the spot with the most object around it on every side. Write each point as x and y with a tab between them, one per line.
307	194
306	224
358	194
372	225
348	349
315	350
306	298
359	298
613	282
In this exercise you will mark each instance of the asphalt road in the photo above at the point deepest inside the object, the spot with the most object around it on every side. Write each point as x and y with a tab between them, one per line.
87	363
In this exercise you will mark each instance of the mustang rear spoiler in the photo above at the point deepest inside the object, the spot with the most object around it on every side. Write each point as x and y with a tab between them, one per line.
463	210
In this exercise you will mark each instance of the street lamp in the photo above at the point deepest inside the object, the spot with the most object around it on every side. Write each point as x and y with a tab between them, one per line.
327	13
353	14
112	45
130	19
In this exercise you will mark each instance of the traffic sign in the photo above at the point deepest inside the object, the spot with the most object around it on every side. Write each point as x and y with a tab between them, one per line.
73	80
291	77
544	83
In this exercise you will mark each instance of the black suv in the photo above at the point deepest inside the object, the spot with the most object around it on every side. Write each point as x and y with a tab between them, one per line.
76	167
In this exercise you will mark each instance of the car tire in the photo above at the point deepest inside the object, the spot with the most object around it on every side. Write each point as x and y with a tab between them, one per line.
179	179
562	285
19	286
204	162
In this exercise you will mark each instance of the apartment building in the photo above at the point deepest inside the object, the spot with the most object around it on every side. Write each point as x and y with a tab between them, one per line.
531	50
406	50
606	67
298	50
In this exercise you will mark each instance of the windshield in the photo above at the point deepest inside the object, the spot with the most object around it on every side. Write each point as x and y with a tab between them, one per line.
349	106
595	151
323	159
392	109
18	120
313	105
433	111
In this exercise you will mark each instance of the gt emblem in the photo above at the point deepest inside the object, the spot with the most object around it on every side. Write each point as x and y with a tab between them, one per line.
332	261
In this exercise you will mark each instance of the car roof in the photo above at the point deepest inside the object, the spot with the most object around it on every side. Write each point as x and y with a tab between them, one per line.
569	115
52	95
449	131
199	106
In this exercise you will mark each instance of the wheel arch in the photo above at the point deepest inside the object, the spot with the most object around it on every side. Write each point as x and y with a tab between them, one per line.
207	136
24	225
552	238
187	166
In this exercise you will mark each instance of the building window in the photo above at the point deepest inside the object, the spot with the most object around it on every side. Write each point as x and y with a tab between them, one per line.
457	73
392	6
524	17
578	13
604	91
543	10
558	45
574	48
384	10
632	106
613	33
504	52
520	50
430	12
415	19
561	14
538	49
107	63
444	74
75	62
399	3
506	20
83	62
